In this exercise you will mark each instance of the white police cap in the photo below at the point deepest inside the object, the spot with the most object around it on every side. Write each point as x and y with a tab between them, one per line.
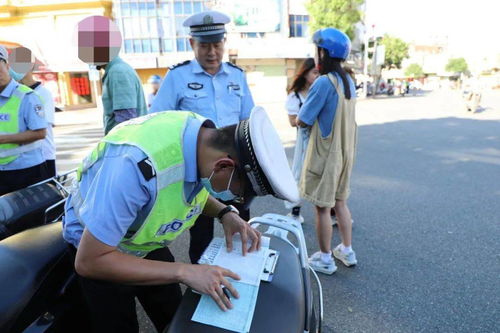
262	159
208	26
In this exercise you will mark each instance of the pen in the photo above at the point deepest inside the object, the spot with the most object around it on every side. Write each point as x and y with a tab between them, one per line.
226	292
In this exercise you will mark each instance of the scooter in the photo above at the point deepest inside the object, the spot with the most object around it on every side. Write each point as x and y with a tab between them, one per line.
39	290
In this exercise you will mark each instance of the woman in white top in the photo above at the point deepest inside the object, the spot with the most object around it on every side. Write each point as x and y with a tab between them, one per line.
297	93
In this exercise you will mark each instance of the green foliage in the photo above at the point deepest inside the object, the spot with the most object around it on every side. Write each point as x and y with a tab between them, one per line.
395	51
340	14
414	70
457	65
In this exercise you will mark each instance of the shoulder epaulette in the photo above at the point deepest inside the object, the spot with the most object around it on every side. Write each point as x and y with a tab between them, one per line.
179	64
233	65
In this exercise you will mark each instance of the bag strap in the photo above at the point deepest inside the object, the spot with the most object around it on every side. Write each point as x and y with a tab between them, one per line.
300	100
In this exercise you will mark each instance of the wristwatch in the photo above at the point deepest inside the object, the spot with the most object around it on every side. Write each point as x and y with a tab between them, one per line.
227	209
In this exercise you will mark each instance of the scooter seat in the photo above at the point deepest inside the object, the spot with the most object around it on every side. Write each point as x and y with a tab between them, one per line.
280	304
25	208
26	259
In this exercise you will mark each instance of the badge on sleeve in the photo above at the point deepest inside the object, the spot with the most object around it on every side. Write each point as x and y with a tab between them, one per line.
195	85
39	110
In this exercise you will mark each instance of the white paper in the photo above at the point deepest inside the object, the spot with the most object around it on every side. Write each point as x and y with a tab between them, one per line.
249	268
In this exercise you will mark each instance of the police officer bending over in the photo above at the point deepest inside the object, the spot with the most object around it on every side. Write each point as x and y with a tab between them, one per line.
214	89
22	129
144	184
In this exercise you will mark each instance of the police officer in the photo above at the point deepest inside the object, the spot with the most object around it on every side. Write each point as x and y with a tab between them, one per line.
154	81
22	130
214	89
144	184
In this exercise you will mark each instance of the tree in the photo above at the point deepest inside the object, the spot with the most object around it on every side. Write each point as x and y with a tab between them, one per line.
414	70
395	51
340	14
457	65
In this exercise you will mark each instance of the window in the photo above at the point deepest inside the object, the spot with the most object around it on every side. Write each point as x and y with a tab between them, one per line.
137	46
298	25
155	26
183	45
125	9
146	46
129	47
178	7
155	45
134	10
168	45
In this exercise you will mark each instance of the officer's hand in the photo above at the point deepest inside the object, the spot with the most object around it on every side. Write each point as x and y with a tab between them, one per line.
209	280
232	224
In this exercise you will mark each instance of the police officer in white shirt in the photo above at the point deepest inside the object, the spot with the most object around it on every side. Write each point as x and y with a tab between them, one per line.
214	89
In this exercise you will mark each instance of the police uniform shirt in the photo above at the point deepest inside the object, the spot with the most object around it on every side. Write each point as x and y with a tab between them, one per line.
223	98
321	103
111	205
31	117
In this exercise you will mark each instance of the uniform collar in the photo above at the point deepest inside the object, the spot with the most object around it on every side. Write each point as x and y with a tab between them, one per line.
9	89
190	147
197	69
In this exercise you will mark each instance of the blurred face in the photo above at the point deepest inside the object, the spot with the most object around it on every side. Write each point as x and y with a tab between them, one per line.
208	55
311	75
155	86
4	74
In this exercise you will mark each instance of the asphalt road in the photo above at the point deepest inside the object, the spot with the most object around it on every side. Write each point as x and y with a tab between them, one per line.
426	205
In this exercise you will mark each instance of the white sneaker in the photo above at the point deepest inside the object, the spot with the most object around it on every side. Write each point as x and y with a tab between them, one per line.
298	218
319	266
349	259
334	221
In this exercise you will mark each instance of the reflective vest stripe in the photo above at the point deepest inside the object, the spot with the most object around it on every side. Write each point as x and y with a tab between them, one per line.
20	149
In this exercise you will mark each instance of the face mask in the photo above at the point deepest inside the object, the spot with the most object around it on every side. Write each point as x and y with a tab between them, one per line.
15	75
225	195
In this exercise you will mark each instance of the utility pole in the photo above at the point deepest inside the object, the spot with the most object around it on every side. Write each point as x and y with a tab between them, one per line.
365	56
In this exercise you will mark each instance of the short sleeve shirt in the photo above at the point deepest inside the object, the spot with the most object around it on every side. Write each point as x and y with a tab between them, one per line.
121	89
321	103
293	103
111	205
31	117
48	146
223	98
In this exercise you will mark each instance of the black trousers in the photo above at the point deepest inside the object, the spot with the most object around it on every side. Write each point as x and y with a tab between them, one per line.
112	305
51	168
203	231
13	180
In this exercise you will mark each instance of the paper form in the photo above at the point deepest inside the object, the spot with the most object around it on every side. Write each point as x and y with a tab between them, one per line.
249	268
238	319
